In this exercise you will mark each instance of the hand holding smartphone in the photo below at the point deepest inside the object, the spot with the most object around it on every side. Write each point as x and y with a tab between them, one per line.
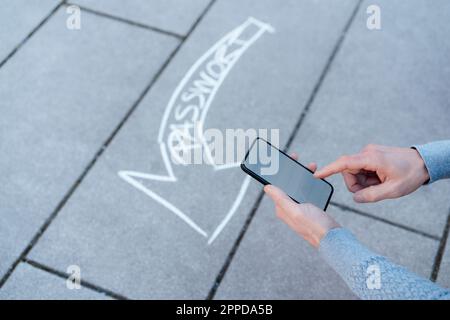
270	165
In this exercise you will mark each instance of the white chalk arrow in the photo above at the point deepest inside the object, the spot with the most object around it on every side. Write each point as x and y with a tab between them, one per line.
201	83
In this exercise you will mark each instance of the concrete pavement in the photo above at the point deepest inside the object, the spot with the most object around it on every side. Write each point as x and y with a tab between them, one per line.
84	131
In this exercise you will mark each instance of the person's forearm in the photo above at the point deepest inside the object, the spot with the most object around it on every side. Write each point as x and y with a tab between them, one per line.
436	156
371	276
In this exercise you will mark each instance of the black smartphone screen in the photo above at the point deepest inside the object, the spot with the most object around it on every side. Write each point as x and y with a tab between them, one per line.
269	165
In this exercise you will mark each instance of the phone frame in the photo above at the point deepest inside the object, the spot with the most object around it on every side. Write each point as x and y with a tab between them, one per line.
265	182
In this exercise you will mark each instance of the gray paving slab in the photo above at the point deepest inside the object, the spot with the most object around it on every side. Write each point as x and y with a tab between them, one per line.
61	97
444	270
170	15
152	233
18	19
387	87
272	262
29	283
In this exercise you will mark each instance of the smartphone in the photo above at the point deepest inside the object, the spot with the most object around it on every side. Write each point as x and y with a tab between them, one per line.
270	165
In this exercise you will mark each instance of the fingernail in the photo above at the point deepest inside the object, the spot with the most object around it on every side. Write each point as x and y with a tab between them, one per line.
267	188
272	191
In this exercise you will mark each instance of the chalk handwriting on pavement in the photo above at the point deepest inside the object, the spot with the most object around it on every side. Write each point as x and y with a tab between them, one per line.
188	106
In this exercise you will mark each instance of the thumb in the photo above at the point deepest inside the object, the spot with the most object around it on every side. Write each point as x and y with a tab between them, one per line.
375	193
280	198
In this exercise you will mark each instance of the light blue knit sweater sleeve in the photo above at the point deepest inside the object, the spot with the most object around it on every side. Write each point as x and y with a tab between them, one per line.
371	276
436	156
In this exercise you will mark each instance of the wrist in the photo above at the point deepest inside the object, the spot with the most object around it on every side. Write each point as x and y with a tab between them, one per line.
422	171
327	227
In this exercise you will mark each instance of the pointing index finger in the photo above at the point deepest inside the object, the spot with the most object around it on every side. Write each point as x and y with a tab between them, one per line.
354	162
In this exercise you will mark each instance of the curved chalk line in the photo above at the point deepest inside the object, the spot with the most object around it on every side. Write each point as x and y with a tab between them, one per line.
131	176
